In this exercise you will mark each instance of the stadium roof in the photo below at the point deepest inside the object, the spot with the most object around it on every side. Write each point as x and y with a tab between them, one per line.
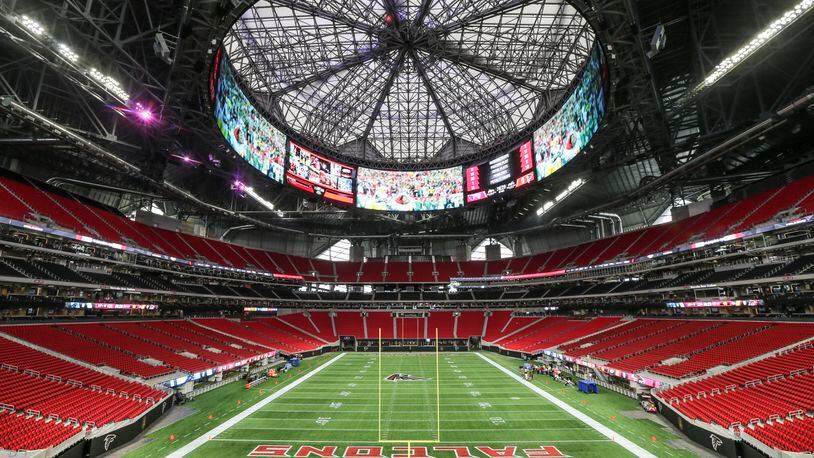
656	146
409	81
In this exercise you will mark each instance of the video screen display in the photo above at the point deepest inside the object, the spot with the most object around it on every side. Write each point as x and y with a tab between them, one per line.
504	173
318	175
717	303
568	132
246	130
410	191
109	306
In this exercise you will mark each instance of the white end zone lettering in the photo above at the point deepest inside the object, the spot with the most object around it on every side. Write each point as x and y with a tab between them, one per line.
371	451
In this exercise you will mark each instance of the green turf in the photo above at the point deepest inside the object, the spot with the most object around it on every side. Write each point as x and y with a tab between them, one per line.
219	404
479	405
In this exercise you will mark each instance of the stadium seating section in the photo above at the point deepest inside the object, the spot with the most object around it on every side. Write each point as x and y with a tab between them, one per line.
772	388
552	331
792	434
24	200
26	432
270	333
46	400
444	322
763	371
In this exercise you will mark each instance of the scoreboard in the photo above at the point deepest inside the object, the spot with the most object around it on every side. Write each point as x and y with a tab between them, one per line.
321	176
506	172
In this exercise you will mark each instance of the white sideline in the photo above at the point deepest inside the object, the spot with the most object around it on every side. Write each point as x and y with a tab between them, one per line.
602	429
205	437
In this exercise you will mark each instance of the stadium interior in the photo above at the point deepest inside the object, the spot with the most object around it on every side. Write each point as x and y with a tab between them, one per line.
407	228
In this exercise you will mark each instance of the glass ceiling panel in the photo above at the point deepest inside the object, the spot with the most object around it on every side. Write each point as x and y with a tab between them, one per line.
411	80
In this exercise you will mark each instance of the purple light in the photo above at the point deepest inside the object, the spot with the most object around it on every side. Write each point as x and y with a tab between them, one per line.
238	186
186	159
142	113
145	115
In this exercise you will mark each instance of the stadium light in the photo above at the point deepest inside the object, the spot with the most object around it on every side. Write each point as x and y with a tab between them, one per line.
572	188
144	114
66	52
110	84
238	186
250	191
38	34
32	26
765	35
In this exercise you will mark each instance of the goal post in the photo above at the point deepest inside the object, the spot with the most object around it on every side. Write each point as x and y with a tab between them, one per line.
409	442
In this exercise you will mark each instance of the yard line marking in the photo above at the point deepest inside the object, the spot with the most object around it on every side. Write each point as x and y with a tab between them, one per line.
277	440
412	420
190	447
411	403
461	413
602	429
446	430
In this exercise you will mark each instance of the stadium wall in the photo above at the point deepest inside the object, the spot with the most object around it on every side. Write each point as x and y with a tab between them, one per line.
110	440
502	351
720	441
75	451
319	351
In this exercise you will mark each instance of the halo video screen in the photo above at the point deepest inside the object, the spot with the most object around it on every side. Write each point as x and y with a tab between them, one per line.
504	173
246	130
568	132
318	175
410	191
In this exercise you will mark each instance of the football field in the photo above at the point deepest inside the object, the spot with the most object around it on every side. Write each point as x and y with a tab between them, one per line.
416	404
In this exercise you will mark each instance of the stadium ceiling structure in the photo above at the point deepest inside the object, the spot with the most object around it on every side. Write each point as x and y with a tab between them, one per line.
408	81
657	146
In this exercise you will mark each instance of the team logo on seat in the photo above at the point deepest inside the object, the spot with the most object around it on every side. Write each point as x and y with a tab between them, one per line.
400	377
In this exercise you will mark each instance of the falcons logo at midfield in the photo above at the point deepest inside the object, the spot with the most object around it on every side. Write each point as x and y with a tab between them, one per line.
399	377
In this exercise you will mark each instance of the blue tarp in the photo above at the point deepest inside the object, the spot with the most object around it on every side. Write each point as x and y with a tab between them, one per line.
588	387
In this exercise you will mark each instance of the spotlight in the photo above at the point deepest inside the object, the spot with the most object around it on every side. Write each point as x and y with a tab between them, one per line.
33	26
757	42
110	84
238	187
66	52
143	114
254	195
186	159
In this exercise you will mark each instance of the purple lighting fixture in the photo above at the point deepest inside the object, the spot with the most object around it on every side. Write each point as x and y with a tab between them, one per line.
187	159
144	114
238	187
